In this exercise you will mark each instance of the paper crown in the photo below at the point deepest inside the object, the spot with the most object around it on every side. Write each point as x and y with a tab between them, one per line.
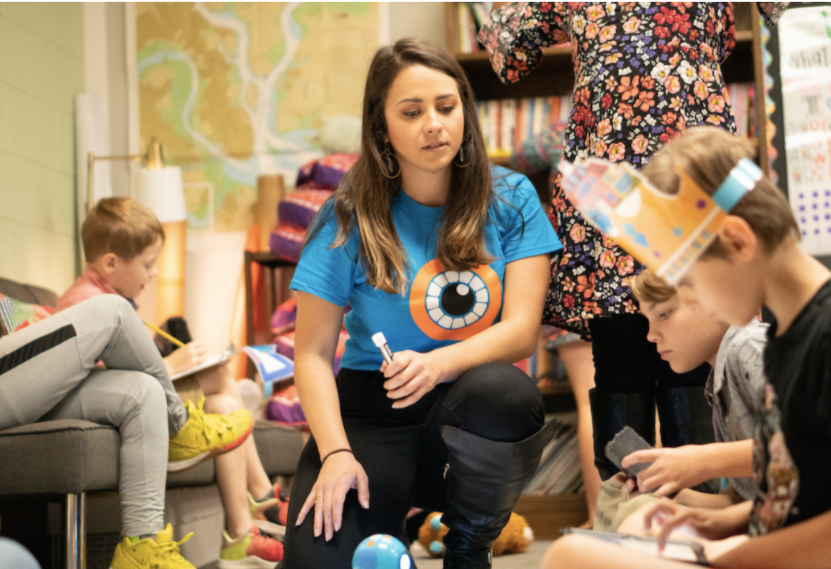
664	232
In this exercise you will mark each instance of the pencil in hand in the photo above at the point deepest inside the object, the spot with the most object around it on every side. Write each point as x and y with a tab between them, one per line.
164	334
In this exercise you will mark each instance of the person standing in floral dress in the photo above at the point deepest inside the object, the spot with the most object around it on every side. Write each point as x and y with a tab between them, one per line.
643	72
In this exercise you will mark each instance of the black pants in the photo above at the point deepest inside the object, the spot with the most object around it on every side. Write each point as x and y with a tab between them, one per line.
626	362
403	453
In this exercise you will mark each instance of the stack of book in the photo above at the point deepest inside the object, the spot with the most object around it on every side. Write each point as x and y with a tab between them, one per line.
508	123
559	471
472	15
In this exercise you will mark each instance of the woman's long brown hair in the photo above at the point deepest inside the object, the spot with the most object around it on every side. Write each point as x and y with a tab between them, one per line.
365	196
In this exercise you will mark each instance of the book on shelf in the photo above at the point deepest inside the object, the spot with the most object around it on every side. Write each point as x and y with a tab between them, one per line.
272	367
741	100
472	16
507	123
559	471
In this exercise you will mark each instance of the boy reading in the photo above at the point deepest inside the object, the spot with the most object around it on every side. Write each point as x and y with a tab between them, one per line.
122	240
686	336
755	260
48	372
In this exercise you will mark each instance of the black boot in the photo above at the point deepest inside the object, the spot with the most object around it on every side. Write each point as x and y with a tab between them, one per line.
485	479
613	411
686	419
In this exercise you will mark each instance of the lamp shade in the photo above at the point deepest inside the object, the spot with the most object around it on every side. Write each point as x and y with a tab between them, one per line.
162	191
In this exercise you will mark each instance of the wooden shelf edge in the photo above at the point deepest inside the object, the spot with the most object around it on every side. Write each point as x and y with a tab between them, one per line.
269	259
556	51
547	515
559	389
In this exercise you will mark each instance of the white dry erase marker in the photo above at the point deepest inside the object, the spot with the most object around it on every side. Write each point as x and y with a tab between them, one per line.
381	343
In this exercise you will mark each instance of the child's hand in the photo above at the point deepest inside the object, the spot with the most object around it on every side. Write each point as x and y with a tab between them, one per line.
186	357
629	485
663	518
410	376
672	469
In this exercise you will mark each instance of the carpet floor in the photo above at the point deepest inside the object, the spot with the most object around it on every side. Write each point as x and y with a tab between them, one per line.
529	560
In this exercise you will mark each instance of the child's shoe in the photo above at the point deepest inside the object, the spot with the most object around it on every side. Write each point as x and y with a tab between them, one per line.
250	551
206	435
270	514
161	553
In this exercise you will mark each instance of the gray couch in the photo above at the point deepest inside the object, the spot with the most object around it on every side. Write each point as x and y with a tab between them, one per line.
72	458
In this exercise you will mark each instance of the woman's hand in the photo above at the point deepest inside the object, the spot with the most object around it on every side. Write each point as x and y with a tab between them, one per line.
186	357
339	474
664	517
410	376
672	469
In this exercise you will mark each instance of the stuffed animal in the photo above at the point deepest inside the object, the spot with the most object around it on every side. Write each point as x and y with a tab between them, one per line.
515	538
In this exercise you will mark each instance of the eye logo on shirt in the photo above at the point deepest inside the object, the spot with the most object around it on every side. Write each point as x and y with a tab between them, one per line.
454	305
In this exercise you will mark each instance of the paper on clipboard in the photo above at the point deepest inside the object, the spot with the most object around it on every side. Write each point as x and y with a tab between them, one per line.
272	367
216	359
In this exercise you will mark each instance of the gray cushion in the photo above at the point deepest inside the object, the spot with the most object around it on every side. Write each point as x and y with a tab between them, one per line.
279	447
64	457
28	293
69	457
202	475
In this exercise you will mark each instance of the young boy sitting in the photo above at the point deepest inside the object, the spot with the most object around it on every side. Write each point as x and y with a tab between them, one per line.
122	240
48	372
756	260
686	336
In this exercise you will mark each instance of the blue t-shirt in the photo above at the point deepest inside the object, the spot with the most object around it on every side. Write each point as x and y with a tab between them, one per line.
440	307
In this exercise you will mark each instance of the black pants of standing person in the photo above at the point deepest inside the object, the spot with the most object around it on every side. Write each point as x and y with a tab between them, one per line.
404	455
631	379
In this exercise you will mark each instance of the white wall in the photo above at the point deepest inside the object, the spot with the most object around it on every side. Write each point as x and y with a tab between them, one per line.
41	71
417	19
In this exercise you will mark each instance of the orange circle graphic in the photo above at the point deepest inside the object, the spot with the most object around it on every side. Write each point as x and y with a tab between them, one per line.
484	282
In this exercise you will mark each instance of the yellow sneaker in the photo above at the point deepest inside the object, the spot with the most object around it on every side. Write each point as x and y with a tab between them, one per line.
207	435
163	553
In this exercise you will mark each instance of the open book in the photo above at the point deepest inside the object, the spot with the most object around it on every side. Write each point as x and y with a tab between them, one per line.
272	366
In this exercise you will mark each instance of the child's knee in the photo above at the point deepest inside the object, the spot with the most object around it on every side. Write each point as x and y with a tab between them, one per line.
149	392
565	552
221	403
219	380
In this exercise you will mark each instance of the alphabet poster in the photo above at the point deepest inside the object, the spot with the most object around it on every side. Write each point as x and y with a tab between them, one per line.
805	63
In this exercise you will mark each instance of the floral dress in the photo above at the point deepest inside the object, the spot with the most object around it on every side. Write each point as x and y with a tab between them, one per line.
643	73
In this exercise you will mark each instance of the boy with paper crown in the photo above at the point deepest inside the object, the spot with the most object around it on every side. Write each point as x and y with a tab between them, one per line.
750	257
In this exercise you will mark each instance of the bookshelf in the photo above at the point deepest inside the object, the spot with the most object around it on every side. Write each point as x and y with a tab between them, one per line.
555	74
555	77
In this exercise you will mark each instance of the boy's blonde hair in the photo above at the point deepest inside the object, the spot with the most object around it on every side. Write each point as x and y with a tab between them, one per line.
707	154
119	225
649	287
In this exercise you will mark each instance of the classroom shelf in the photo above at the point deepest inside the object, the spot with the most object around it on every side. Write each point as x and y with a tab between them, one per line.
547	515
555	74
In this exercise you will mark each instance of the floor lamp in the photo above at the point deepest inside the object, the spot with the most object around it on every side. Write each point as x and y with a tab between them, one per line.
160	188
